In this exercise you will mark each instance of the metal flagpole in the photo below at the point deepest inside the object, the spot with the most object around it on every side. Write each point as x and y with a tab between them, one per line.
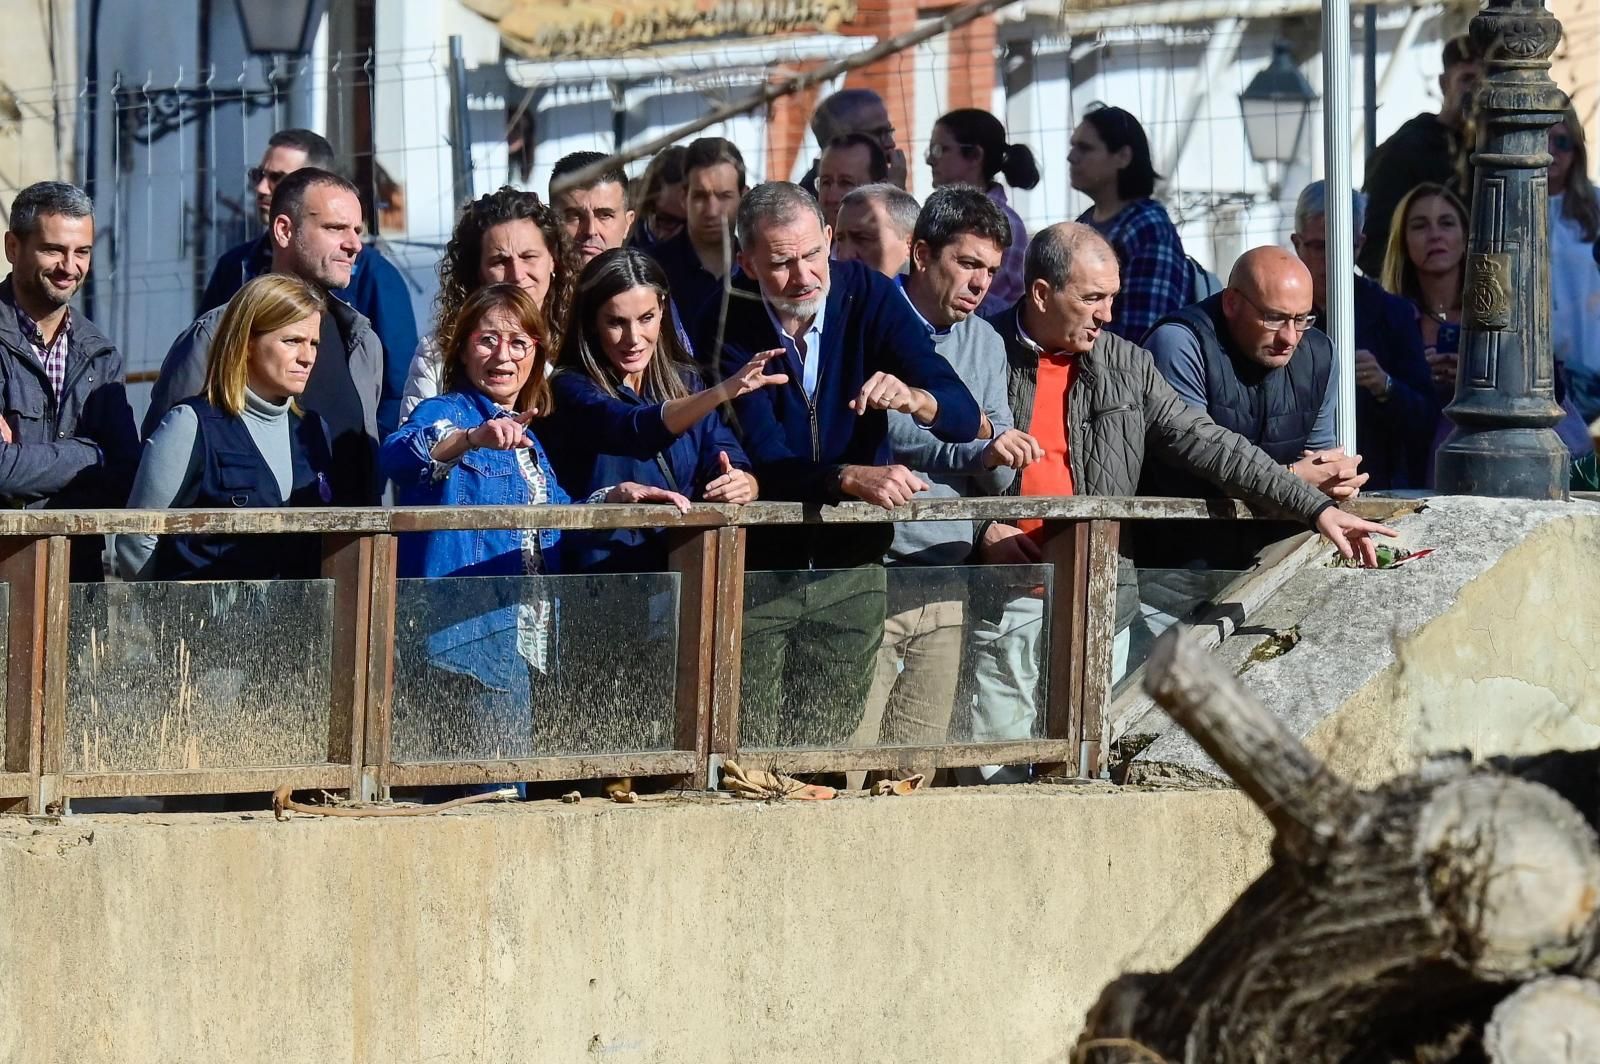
1340	179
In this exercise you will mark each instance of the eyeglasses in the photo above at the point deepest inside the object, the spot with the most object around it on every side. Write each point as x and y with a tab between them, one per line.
881	133
257	174
936	152
1562	142
1275	320
489	342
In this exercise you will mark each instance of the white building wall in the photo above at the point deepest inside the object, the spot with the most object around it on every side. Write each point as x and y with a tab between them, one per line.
1183	83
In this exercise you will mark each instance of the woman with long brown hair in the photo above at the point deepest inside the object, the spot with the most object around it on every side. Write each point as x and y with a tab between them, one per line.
1425	263
630	407
505	237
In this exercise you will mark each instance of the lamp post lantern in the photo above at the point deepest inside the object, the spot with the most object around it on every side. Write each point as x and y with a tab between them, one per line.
1504	442
1277	106
280	27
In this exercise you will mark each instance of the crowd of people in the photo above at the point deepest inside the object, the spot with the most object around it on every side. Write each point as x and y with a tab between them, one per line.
689	338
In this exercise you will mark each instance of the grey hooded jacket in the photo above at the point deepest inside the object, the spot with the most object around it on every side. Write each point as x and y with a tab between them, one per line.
183	372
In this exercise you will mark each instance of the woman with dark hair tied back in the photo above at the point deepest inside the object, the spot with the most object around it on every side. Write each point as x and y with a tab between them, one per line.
505	237
629	406
1110	163
968	147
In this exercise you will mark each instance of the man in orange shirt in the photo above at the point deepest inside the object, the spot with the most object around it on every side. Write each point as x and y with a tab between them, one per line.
1096	405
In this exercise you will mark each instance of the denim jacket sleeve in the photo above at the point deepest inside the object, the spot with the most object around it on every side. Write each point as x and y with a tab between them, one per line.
405	456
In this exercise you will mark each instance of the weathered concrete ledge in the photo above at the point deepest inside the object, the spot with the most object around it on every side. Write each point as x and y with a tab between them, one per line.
966	925
1490	644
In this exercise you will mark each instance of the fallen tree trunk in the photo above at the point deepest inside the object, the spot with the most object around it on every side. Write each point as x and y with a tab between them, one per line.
1390	921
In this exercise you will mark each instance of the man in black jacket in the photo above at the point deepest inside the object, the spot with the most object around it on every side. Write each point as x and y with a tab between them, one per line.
1426	149
67	437
1251	358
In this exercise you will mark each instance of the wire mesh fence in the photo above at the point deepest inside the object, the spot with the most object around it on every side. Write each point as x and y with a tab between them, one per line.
166	153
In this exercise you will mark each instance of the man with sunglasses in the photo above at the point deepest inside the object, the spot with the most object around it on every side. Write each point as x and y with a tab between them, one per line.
377	290
855	111
1251	359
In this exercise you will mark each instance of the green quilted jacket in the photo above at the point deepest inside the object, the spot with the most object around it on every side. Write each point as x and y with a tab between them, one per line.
1119	410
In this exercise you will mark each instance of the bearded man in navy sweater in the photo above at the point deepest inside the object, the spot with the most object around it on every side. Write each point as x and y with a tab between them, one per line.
853	349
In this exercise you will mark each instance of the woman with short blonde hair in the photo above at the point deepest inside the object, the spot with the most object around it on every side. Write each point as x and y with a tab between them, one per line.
243	442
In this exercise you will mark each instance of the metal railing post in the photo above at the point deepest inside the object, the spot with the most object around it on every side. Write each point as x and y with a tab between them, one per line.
692	554
347	561
727	665
23	567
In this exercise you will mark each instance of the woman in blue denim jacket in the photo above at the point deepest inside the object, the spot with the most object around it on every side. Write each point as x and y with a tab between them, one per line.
630	407
470	446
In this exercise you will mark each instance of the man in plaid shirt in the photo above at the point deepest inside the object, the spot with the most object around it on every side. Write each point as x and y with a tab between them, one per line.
66	430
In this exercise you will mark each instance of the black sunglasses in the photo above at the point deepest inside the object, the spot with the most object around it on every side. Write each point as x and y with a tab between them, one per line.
256	173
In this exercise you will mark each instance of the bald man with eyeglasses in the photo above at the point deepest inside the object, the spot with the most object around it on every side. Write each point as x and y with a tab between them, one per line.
1252	358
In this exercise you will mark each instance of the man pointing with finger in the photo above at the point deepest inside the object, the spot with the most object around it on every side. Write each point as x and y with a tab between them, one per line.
853	350
1101	412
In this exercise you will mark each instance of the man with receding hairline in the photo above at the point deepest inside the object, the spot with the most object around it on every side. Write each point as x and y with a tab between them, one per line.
875	227
855	111
1251	358
1097	408
375	288
316	236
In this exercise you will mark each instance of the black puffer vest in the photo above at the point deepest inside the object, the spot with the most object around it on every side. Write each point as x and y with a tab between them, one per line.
1275	409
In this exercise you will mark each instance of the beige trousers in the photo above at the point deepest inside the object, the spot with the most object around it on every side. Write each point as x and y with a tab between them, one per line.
913	690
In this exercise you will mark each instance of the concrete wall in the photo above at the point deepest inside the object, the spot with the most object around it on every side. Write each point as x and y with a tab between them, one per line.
1509	668
973	925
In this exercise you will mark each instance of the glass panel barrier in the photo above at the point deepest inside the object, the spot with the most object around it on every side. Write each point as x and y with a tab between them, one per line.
490	667
1166	596
893	657
198	675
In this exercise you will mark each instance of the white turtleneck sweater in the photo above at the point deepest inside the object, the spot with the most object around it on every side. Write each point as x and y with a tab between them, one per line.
169	469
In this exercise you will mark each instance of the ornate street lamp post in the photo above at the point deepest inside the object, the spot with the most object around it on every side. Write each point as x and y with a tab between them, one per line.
1504	443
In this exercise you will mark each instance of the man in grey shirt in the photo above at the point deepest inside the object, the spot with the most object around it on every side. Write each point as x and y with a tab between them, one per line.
956	247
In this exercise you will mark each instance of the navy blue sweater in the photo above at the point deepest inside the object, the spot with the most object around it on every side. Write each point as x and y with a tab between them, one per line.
1395	437
797	445
596	440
